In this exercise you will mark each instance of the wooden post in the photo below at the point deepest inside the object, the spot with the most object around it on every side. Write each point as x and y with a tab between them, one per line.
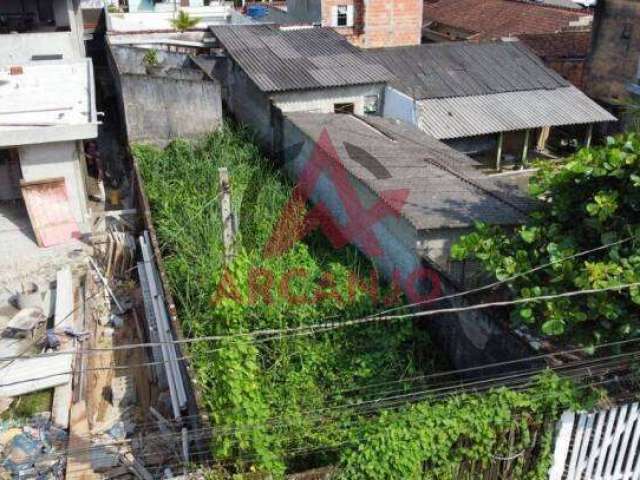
587	142
542	138
499	152
228	222
525	148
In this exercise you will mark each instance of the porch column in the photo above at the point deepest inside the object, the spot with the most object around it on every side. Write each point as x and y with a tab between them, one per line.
587	142
525	148
499	152
542	139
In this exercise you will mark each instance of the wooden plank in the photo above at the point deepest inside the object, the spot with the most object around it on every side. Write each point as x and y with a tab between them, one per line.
577	445
78	458
33	374
228	222
595	446
63	318
563	439
49	211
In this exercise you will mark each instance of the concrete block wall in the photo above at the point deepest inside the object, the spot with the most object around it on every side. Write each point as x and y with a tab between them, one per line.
615	57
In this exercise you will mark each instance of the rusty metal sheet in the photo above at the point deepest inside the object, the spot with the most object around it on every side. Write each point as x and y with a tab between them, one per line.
48	206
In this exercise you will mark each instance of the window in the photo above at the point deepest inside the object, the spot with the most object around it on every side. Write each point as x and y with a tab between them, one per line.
343	16
343	107
341	19
371	104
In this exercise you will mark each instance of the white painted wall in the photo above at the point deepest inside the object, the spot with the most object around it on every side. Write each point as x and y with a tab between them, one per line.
399	106
323	100
51	160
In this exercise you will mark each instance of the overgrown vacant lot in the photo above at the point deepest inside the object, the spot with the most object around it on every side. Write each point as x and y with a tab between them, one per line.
290	402
285	395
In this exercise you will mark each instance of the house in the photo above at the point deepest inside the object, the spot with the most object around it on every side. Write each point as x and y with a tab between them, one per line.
402	198
47	111
145	16
266	70
450	20
493	100
368	24
559	31
613	73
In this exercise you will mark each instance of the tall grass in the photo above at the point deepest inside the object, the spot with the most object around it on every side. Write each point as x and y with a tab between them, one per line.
246	383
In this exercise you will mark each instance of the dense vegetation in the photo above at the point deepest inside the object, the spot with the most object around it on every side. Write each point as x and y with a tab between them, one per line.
287	402
590	201
275	401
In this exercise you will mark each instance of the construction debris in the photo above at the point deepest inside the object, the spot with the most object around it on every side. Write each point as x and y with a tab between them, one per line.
33	450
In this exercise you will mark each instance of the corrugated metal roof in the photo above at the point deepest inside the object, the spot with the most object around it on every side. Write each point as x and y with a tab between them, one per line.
459	69
446	118
299	59
445	189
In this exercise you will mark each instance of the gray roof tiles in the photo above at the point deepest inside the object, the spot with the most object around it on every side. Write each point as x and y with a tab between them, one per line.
459	69
299	59
445	189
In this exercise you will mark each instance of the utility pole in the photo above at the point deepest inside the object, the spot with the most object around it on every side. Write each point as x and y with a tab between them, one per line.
229	230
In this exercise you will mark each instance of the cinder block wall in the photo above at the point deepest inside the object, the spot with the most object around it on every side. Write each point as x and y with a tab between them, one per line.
615	55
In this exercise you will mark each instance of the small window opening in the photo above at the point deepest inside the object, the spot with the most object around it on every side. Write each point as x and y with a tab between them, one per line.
343	107
342	19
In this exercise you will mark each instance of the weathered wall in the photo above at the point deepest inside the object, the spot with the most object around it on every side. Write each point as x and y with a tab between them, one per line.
63	159
469	338
399	106
323	100
307	11
615	57
158	109
255	109
176	101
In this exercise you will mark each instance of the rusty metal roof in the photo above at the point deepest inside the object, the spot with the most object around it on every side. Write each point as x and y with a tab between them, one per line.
298	59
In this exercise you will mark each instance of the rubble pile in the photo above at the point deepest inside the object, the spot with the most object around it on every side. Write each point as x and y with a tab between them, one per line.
34	449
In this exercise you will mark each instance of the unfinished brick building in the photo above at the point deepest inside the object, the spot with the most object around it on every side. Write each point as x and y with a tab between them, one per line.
366	23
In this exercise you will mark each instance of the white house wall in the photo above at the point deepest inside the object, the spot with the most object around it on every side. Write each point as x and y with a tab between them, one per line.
399	106
323	100
52	160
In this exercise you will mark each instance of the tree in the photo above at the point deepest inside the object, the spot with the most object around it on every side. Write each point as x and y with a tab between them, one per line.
589	201
184	21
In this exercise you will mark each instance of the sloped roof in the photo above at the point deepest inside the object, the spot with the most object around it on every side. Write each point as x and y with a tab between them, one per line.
459	69
445	190
501	18
447	118
298	59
